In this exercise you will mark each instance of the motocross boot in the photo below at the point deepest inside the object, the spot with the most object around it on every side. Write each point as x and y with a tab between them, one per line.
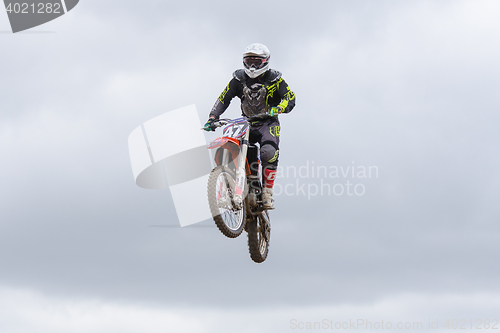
267	198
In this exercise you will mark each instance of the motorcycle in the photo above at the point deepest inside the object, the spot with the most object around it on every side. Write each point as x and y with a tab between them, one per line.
235	186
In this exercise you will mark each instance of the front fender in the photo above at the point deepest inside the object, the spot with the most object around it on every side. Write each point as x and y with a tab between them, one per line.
219	142
229	144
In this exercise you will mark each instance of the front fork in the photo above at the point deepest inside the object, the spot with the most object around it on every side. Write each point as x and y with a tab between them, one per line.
241	174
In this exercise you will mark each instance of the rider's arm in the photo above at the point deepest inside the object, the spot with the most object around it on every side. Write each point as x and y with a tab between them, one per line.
222	103
287	97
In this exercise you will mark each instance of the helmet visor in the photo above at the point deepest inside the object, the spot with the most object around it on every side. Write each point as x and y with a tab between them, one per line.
255	62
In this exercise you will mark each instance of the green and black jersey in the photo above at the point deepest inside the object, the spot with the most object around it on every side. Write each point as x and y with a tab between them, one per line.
277	91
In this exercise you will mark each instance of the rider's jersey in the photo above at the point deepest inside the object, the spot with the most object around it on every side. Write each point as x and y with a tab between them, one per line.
257	95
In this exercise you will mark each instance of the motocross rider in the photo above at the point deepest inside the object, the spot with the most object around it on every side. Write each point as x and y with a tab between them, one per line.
260	90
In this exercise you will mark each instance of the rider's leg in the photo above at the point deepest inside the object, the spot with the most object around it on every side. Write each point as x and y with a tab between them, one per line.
269	175
269	153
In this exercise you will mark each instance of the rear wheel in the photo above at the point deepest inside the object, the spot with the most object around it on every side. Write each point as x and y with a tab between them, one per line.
259	234
221	185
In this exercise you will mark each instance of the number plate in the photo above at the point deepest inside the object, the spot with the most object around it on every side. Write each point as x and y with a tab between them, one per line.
235	130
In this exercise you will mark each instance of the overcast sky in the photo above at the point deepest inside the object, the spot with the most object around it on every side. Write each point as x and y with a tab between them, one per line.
408	87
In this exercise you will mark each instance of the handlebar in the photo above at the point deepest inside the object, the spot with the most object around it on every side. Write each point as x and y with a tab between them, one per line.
219	123
222	122
260	116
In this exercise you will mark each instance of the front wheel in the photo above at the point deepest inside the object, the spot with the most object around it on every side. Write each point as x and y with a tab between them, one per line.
259	234
221	185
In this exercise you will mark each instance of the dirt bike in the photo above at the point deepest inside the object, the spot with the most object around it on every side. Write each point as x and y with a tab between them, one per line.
235	187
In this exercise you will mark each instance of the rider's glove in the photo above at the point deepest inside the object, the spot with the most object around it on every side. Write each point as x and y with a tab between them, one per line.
209	126
275	111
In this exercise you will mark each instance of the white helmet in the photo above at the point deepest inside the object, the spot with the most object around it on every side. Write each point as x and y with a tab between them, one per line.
256	59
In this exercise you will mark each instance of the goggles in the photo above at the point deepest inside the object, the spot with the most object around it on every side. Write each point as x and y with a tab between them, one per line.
255	62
